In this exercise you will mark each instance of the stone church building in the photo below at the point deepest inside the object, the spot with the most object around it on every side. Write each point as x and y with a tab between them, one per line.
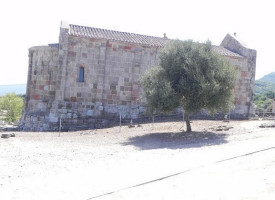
92	75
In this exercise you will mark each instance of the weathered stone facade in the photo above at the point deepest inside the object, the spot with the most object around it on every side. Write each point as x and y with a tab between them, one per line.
246	76
110	64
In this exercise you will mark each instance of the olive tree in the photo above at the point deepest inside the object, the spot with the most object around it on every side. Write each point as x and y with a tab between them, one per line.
190	75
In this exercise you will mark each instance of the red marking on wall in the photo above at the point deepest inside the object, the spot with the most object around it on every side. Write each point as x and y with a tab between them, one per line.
93	39
244	74
114	49
99	90
73	99
135	92
108	45
72	53
127	47
109	96
84	55
237	102
115	97
36	97
73	44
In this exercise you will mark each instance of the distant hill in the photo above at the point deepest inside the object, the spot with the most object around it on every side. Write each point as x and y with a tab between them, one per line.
17	89
265	84
269	78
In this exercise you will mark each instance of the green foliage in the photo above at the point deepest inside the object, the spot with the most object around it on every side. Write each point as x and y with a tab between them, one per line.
264	102
190	75
158	91
262	87
264	93
11	106
265	85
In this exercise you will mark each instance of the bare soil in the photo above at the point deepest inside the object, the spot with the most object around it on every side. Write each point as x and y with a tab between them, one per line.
218	160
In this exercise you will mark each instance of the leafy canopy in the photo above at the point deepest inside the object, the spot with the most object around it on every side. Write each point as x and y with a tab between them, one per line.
11	107
191	75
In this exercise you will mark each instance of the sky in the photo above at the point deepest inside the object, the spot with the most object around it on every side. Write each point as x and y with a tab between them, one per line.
34	23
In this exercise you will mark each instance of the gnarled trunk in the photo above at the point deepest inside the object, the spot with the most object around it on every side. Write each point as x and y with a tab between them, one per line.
188	125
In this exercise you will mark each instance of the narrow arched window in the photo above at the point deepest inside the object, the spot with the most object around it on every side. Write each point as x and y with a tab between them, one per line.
81	74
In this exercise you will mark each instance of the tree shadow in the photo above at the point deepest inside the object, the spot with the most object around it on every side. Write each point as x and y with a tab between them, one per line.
176	140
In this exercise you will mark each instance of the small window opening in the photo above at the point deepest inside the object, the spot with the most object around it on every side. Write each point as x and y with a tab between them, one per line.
81	75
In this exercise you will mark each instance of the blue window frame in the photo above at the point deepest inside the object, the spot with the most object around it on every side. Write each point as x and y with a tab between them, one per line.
81	75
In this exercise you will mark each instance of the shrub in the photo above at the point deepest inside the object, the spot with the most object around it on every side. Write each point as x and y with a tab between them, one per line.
11	107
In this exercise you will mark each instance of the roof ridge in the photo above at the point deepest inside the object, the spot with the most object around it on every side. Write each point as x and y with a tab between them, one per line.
100	33
103	29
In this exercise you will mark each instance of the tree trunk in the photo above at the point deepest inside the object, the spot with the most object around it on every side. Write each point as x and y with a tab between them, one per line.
188	125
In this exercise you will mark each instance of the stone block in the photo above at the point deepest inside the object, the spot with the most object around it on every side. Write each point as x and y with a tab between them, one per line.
53	118
72	54
100	108
112	87
69	115
84	55
89	113
36	97
73	99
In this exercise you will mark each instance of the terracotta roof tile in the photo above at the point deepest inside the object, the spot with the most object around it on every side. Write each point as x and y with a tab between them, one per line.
90	32
225	52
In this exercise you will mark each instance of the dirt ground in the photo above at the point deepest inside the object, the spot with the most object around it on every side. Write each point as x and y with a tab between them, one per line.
157	161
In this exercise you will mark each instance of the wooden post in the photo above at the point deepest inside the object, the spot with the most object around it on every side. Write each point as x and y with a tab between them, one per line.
183	117
120	121
153	120
59	125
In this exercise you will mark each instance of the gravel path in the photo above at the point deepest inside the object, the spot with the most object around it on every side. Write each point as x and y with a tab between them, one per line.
147	162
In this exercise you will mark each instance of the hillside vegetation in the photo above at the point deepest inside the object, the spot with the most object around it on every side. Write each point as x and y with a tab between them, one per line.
11	107
264	93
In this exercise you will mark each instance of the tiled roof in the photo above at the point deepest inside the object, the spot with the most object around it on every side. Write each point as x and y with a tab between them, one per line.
225	52
90	32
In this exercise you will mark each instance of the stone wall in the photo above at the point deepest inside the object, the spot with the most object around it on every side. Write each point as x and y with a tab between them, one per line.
111	82
111	74
245	78
41	87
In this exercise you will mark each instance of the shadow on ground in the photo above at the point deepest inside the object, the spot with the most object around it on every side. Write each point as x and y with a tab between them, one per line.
178	140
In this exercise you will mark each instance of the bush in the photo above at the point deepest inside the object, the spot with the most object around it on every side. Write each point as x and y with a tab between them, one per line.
11	107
